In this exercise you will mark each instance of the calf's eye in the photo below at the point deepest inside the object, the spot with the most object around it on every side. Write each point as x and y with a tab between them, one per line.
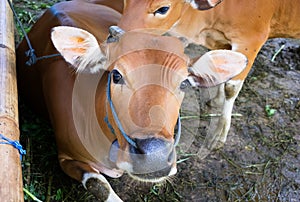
117	77
162	10
184	85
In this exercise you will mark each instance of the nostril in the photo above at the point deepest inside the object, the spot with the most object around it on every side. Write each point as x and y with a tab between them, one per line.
136	150
152	155
171	157
150	145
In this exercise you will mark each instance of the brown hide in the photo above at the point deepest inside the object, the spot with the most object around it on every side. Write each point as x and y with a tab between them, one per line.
242	25
239	25
152	67
114	4
48	84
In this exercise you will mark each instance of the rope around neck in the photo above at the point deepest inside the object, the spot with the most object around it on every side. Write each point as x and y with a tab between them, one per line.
108	95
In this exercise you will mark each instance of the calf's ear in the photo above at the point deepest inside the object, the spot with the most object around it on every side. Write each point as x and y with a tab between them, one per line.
79	48
216	67
204	4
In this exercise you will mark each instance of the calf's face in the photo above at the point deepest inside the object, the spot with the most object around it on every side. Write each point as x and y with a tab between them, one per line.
145	88
147	92
158	15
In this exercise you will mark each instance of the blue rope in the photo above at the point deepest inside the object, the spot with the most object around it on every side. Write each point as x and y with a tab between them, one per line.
127	138
109	125
31	52
16	144
118	122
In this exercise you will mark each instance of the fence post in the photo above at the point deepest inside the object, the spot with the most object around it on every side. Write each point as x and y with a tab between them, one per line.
11	185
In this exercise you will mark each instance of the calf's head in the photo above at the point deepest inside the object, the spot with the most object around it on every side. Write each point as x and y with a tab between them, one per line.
146	76
158	14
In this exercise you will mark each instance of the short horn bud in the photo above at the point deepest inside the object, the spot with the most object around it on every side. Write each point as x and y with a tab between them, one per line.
114	34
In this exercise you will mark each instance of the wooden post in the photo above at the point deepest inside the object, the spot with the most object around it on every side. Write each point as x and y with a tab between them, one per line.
11	185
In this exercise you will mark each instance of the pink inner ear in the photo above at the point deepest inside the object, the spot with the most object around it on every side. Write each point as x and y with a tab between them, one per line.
80	51
77	39
216	67
221	64
221	70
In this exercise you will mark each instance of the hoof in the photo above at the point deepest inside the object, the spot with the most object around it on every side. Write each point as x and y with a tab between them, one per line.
219	145
97	185
99	189
205	150
215	103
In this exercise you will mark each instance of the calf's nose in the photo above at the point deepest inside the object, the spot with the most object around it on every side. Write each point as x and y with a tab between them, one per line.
152	155
149	146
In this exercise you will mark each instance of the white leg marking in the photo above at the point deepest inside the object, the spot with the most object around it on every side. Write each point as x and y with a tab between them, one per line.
218	100
113	197
217	137
225	120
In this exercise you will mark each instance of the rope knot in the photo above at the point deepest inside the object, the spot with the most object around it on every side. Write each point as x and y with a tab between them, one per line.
32	57
16	144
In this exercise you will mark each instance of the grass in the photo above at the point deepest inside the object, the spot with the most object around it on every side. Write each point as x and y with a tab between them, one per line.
43	180
37	165
28	12
269	110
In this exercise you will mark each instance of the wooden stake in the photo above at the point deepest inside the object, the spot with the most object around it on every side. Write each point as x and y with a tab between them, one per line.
11	185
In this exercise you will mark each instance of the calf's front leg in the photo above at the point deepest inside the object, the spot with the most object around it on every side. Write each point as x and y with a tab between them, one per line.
91	179
217	137
96	184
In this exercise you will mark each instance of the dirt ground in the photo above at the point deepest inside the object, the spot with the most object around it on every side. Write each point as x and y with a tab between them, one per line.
259	162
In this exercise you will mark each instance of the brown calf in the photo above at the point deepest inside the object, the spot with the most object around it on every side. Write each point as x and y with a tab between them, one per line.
113	106
239	25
